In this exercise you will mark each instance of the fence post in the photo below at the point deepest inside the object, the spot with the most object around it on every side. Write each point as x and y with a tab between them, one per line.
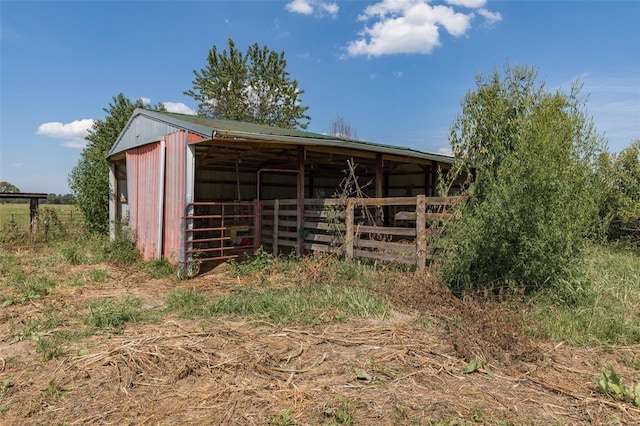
257	223
276	224
349	231
421	233
33	215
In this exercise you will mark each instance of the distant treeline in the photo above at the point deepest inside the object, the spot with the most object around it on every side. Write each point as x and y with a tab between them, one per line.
51	199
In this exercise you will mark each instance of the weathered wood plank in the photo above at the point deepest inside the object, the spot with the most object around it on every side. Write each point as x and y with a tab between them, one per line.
288	243
324	226
431	217
287	223
404	215
421	234
322	248
319	237
386	230
387	246
324	214
287	234
349	234
276	226
385	257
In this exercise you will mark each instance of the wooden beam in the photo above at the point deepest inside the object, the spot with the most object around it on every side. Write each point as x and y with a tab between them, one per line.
347	152
349	229
301	154
379	182
406	160
434	180
421	233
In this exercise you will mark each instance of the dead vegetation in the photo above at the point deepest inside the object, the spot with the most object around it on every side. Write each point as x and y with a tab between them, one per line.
437	360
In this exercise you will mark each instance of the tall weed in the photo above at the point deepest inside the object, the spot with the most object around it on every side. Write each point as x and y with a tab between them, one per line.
601	307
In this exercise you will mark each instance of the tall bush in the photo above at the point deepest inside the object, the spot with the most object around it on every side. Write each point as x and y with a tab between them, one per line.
620	176
533	200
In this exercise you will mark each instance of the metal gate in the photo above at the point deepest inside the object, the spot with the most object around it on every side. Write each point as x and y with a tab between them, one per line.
217	231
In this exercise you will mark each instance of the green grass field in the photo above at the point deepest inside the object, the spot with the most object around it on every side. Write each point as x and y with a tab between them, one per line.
15	217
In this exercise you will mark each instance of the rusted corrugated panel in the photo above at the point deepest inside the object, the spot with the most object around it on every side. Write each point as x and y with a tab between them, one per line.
143	171
194	137
174	204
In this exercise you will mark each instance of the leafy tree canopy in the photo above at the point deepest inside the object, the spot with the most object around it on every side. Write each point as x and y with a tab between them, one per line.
620	175
89	179
254	87
536	196
6	187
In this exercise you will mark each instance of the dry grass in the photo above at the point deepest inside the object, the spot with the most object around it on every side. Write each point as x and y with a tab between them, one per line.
407	369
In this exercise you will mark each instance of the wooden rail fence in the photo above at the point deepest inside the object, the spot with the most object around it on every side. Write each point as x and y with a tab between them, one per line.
400	229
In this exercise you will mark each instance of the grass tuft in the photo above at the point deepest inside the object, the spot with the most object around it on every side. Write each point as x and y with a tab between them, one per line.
114	314
299	305
600	308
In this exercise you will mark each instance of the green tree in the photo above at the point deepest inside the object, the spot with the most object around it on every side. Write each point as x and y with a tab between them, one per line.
620	175
254	87
534	197
89	179
6	187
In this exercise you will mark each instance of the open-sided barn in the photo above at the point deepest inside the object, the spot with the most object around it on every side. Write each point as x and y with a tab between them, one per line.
187	185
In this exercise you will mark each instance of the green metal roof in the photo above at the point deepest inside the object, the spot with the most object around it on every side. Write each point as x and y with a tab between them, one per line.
244	127
146	126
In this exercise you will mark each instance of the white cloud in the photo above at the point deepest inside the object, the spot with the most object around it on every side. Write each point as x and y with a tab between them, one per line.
490	17
319	8
78	129
331	8
472	4
445	151
300	6
75	132
398	74
412	26
146	101
406	26
179	108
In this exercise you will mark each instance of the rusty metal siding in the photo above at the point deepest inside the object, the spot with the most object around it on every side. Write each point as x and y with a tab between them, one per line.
143	169
194	137
174	204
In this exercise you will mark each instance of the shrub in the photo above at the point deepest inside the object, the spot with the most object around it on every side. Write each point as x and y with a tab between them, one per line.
620	176
533	200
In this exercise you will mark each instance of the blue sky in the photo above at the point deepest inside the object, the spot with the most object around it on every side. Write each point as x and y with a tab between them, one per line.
397	70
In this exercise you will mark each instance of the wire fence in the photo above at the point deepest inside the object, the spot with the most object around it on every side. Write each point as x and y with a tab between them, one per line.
51	219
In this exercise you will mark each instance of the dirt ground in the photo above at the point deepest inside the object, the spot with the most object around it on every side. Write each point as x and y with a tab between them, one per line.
405	370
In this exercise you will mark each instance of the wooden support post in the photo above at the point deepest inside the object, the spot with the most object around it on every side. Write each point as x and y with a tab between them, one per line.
33	215
379	189
421	233
276	217
434	179
300	192
349	229
257	224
